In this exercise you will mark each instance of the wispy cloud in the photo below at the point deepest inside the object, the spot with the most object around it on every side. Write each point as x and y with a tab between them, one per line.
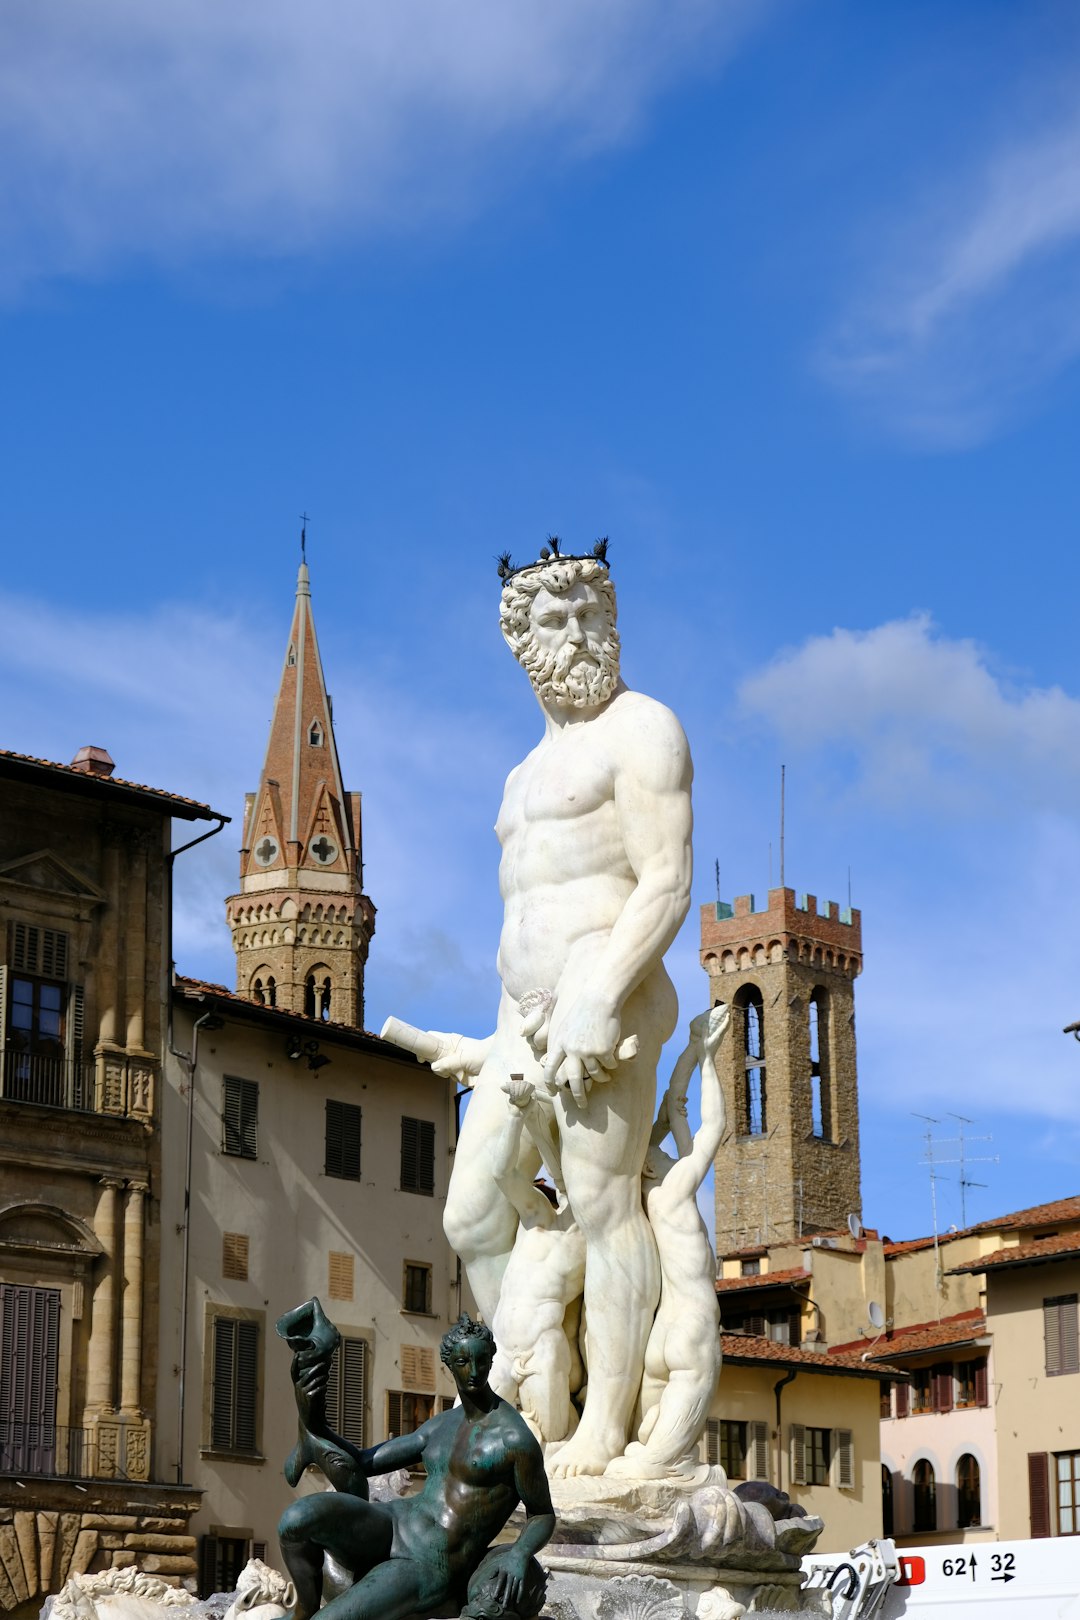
973	303
920	719
134	130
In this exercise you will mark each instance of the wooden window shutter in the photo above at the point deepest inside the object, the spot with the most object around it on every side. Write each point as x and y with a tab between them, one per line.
234	1256
943	1387
845	1459
903	1399
222	1383
240	1118
1070	1335
417	1367
757	1462
798	1453
417	1156
394	1417
982	1384
208	1557
247	1384
1039	1492
346	1393
39	950
343	1121
342	1275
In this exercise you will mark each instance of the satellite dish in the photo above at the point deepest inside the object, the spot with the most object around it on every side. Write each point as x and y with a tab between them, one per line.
854	1226
876	1315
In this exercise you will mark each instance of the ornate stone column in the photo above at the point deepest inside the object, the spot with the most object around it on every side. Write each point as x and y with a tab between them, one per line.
131	1307
108	959
101	1359
135	942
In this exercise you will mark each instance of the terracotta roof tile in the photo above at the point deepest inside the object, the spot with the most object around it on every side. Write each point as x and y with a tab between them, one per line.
202	811
1023	1254
761	1279
196	989
1060	1209
752	1349
966	1328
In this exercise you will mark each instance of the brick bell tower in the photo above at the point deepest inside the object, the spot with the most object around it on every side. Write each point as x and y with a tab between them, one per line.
301	923
789	1163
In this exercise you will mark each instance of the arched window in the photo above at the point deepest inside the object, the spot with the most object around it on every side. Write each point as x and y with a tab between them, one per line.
968	1492
925	1496
820	1091
257	992
271	991
754	1110
317	991
315	734
886	1501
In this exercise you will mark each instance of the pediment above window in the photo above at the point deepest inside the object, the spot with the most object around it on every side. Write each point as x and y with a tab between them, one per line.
43	870
27	1228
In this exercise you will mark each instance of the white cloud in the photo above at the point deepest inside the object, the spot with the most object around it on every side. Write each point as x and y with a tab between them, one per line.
159	130
922	719
973	303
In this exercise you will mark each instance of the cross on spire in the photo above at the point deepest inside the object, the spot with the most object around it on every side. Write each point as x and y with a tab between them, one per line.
303	536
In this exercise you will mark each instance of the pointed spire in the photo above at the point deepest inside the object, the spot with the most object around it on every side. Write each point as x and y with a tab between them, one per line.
301	850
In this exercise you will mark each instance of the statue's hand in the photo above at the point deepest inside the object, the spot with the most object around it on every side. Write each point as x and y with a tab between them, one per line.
581	1046
508	1584
459	1057
519	1092
310	1376
707	1029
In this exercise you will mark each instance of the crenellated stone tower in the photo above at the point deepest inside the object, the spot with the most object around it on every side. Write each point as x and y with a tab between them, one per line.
301	923
789	1163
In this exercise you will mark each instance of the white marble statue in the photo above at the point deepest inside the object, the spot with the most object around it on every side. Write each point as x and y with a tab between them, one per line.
595	831
682	1357
537	1362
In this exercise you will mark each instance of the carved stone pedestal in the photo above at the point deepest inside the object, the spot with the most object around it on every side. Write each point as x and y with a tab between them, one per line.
655	1551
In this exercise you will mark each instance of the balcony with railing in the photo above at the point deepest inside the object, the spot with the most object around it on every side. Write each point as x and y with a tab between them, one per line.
55	1451
52	1082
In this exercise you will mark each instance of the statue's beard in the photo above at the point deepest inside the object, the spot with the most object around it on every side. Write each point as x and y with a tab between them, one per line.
568	678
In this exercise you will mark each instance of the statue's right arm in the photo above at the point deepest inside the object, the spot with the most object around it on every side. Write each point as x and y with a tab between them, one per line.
403	1451
453	1057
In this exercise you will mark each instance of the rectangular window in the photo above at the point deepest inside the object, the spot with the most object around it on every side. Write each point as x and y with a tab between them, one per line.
417	1293
346	1393
1061	1336
885	1397
418	1156
818	1456
240	1118
342	1140
942	1386
922	1390
406	1411
234	1385
29	1370
234	1256
733	1448
971	1386
1067	1486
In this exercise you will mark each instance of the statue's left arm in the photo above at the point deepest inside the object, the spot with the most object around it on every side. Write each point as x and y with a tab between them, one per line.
530	1482
652	775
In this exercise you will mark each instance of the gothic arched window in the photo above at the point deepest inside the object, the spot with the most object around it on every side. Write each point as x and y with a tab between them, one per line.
317	992
820	1089
753	1110
968	1492
925	1496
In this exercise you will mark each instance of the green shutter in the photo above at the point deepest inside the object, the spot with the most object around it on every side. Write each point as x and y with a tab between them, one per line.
240	1118
343	1122
223	1383
247	1385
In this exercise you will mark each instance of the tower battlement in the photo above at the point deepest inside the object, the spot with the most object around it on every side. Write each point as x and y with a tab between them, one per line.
790	928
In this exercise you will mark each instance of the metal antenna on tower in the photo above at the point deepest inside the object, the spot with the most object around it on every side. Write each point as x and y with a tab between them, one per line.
964	1160
303	536
783	773
717	865
930	1162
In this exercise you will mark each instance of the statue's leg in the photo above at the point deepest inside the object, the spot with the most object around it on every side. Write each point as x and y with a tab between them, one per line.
358	1534
396	1588
479	1221
545	1390
603	1150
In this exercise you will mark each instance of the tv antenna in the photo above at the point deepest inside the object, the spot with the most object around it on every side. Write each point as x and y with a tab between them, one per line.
932	1163
964	1159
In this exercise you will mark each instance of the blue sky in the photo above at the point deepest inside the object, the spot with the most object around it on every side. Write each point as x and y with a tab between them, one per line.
781	297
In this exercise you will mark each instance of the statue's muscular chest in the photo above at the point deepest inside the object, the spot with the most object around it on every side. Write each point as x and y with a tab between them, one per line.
563	779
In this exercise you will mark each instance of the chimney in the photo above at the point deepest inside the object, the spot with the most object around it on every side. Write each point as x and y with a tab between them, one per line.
94	761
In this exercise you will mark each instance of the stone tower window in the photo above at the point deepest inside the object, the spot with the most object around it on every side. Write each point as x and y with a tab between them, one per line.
754	1115
820	1091
315	734
317	993
291	659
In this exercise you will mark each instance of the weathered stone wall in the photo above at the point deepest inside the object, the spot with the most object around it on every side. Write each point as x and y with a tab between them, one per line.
790	1179
52	1529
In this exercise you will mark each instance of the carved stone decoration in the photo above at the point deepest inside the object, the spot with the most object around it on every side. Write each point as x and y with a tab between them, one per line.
108	1449
141	1090
113	1086
718	1605
137	1451
560	1609
640	1597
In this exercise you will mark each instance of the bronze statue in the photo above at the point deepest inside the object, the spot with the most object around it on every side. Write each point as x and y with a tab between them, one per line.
428	1553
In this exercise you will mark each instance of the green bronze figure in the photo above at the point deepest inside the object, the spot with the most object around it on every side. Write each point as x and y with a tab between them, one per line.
425	1554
